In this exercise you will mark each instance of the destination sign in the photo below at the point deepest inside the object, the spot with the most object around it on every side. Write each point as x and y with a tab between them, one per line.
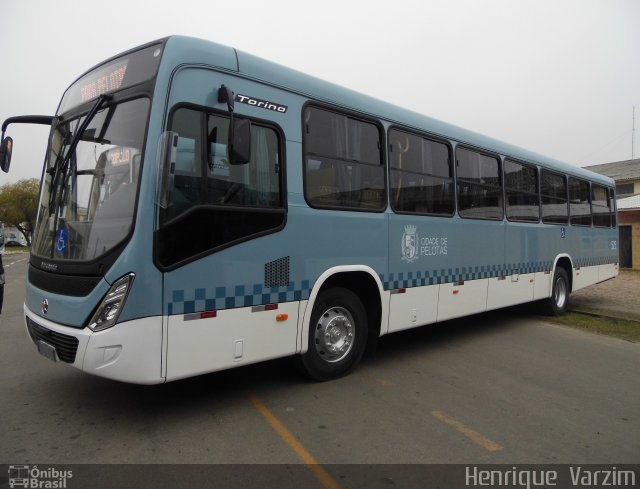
123	72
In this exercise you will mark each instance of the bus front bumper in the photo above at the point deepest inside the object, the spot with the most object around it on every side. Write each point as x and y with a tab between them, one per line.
129	352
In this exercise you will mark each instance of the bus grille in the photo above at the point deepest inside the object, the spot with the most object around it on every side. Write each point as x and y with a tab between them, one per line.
66	346
276	273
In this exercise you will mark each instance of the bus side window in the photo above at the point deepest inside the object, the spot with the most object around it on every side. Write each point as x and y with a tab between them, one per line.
479	185
600	205
521	190
421	175
343	162
553	191
579	202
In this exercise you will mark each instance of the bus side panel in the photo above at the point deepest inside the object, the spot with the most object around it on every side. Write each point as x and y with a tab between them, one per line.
607	271
462	299
509	290
596	256
232	338
541	285
584	276
429	252
607	254
580	243
416	306
522	257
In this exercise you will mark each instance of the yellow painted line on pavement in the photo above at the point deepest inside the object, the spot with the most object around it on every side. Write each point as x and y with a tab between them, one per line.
316	469
470	433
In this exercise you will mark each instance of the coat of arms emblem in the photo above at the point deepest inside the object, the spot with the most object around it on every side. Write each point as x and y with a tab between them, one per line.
410	244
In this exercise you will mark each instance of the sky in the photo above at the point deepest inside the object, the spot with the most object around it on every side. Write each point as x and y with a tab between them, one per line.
557	77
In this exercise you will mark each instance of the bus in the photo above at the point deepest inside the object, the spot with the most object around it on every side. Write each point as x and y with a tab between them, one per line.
202	209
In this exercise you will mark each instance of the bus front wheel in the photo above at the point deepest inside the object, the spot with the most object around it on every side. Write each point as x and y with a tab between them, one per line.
337	334
559	301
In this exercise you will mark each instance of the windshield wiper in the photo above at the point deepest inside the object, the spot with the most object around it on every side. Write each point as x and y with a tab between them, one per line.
87	120
60	180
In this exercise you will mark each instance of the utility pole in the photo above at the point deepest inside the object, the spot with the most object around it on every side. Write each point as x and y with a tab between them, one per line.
633	134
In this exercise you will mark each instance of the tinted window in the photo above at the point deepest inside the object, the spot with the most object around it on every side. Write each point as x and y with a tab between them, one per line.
521	188
579	202
479	186
213	204
553	190
421	175
601	206
343	162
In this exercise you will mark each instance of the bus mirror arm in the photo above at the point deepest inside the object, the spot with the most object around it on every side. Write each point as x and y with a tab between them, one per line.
6	147
239	144
226	95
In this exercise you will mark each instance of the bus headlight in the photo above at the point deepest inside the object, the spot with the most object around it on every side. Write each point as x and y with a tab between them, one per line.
109	309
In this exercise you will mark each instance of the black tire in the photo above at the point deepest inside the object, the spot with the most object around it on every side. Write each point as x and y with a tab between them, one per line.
337	335
557	304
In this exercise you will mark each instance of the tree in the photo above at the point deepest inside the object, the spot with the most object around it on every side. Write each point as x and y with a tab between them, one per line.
19	205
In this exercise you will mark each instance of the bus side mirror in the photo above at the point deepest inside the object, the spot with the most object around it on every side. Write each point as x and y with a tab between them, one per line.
5	153
240	141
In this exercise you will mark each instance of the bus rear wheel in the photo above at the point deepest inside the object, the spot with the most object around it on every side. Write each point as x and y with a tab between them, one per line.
558	303
337	335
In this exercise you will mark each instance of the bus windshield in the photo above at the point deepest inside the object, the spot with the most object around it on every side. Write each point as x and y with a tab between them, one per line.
88	195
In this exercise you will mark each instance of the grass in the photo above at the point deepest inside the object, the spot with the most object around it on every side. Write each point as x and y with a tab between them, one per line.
624	326
10	249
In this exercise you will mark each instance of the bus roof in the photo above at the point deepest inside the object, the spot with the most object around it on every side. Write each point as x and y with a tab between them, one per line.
259	69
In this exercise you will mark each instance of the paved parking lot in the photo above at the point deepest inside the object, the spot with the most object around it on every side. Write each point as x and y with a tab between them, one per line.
499	388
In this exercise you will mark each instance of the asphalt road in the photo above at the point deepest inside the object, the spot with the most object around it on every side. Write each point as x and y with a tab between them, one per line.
498	388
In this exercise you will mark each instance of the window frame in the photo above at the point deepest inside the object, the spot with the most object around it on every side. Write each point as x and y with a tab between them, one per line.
383	161
431	138
610	205
204	113
589	195
566	196
506	160
500	187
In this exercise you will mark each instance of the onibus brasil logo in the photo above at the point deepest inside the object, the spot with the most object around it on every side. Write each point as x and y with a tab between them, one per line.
33	477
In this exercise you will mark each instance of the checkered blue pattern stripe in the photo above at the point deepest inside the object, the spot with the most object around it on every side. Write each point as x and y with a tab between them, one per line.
595	261
448	275
218	298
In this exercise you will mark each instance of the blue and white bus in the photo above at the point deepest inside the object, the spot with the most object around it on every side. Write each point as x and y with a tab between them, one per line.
202	209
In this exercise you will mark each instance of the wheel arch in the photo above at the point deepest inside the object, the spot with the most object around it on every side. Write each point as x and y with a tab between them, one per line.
362	281
563	261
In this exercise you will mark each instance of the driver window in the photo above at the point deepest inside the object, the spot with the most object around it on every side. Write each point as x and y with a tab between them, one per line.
206	188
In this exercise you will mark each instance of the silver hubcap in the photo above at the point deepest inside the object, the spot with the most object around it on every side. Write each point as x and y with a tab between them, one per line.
560	293
334	334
